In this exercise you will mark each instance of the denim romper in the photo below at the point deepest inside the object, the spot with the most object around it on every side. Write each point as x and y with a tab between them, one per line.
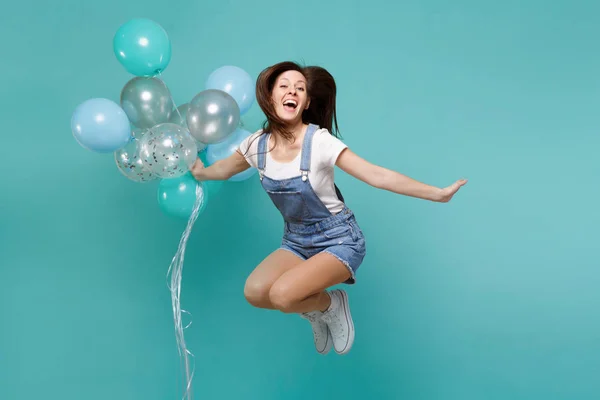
309	227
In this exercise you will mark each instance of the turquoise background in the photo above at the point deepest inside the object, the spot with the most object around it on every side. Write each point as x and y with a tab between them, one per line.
493	296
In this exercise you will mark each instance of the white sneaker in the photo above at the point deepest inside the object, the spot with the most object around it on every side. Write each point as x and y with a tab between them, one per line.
339	321
321	334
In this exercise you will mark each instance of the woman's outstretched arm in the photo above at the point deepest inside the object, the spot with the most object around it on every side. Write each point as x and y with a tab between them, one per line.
386	179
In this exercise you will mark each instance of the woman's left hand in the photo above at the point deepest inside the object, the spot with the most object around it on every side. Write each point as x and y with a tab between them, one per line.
447	192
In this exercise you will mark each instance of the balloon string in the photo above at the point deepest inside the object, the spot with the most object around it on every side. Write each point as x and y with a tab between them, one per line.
182	121
175	273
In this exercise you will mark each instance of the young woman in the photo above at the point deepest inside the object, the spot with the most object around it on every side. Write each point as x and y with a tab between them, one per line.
295	154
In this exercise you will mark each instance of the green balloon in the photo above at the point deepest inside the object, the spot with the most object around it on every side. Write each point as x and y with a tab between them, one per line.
143	47
177	196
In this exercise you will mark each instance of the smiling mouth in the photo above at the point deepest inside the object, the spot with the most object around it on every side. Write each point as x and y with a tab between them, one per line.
290	105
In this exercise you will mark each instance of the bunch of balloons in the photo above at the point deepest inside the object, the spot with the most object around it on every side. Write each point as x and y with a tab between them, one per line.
153	139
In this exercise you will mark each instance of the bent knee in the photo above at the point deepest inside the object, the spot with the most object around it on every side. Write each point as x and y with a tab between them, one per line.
257	293
282	298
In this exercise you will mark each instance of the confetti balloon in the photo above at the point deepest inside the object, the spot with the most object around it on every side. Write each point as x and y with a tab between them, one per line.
130	164
168	150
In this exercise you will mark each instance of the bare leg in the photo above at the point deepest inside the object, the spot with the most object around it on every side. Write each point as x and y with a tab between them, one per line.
301	289
259	282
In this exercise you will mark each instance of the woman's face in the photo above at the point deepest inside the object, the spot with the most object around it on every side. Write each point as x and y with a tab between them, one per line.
289	96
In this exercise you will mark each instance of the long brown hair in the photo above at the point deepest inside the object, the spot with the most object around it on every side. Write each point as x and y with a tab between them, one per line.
321	90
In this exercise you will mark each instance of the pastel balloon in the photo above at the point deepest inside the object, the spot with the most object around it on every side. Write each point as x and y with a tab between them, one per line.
142	47
177	196
220	151
244	175
100	125
236	82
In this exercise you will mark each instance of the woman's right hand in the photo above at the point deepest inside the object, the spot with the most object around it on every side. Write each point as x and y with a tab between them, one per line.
197	169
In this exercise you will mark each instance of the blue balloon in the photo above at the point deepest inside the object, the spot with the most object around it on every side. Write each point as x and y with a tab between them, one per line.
177	196
143	47
222	150
242	176
236	82
100	125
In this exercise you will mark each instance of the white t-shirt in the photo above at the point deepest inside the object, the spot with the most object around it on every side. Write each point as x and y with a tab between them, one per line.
325	150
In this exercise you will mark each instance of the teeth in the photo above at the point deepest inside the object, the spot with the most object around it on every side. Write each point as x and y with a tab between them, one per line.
290	103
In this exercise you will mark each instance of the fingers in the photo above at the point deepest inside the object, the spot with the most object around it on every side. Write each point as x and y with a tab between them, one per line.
198	164
459	183
196	168
451	190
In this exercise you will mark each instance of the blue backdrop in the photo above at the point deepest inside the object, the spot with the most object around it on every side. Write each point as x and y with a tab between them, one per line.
493	296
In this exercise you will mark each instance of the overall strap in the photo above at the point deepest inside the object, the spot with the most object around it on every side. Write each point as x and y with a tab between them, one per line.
306	150
262	152
339	194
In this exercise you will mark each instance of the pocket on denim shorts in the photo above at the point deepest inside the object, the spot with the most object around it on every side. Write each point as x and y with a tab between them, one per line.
357	233
337	231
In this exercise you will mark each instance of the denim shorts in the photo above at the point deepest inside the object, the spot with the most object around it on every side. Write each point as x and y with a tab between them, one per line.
338	235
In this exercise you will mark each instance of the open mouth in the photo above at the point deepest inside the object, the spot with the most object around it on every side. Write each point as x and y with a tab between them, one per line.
290	105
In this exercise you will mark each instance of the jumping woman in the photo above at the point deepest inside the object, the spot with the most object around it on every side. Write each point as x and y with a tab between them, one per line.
295	154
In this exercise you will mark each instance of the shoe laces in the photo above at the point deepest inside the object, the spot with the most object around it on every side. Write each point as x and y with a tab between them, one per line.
312	317
319	326
335	322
